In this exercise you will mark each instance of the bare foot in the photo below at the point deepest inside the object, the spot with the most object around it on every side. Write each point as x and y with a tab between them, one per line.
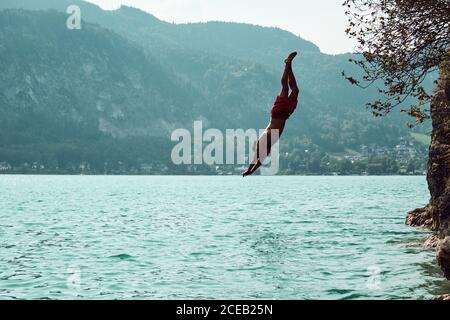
291	57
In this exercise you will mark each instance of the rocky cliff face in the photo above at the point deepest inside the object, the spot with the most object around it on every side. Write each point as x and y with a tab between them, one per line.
436	215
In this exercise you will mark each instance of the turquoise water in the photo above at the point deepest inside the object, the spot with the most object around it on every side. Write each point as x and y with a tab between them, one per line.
111	237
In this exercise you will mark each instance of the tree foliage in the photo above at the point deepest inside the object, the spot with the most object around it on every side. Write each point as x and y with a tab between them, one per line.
401	42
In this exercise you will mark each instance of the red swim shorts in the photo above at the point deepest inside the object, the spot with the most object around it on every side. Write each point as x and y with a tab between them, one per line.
283	108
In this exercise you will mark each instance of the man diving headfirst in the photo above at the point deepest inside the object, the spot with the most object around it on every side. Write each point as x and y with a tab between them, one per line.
284	106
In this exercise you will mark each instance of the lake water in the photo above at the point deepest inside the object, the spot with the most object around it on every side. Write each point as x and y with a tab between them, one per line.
186	237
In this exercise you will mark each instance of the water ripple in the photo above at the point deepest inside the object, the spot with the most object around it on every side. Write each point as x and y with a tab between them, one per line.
65	237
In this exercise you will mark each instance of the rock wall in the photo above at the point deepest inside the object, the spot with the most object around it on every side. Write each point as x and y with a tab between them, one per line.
436	215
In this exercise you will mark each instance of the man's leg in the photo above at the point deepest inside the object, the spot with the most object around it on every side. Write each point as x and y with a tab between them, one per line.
286	74
292	83
284	93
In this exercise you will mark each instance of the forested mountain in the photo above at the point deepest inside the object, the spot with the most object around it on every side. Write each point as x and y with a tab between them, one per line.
113	91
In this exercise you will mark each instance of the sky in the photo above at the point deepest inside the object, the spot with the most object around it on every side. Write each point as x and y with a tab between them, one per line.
320	21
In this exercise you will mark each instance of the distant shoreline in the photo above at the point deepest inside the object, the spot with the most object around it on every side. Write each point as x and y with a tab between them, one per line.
210	175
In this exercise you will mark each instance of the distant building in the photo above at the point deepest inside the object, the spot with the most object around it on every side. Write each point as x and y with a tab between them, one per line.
4	166
146	168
